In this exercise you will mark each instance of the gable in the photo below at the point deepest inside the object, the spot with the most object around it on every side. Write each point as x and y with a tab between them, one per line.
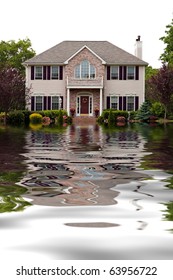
80	50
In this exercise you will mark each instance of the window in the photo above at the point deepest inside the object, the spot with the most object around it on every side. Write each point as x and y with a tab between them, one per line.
55	103
114	72
77	71
55	72
38	72
130	72
38	103
114	102
85	70
130	103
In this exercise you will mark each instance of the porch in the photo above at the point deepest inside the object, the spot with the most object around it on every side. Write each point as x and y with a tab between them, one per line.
84	102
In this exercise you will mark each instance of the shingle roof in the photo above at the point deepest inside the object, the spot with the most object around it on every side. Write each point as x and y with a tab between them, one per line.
108	52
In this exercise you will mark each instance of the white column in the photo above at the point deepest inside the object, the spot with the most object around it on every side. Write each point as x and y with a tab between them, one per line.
101	101
68	101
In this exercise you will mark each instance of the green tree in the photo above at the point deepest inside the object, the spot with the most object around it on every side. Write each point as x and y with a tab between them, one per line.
149	71
144	112
167	55
14	53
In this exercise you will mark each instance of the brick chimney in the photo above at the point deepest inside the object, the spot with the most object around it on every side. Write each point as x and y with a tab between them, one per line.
138	47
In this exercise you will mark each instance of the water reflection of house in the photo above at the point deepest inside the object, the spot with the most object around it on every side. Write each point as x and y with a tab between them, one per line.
85	76
81	165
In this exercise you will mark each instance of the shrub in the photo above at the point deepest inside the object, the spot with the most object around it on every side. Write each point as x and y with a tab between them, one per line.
16	118
111	118
60	118
2	117
157	109
35	118
46	120
132	115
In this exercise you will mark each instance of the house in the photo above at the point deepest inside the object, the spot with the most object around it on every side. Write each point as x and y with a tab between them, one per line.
86	76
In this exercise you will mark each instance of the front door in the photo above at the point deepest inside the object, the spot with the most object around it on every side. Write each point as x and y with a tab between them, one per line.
84	100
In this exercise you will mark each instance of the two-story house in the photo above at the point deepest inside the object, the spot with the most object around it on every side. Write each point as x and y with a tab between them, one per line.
85	75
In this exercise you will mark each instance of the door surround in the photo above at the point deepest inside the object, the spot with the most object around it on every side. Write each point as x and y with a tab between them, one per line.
84	104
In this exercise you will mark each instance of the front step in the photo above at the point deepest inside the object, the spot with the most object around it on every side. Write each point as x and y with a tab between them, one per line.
84	120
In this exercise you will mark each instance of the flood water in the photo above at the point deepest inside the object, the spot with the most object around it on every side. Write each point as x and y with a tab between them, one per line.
88	192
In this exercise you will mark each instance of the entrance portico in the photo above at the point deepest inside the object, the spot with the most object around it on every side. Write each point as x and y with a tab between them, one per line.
85	101
85	95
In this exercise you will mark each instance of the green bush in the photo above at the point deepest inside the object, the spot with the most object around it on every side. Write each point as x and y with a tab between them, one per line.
60	118
16	118
26	116
111	118
35	118
132	115
157	109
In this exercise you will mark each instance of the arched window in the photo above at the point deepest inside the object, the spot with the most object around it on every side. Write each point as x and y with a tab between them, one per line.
85	70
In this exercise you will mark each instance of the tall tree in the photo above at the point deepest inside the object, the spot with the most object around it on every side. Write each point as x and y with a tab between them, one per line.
167	55
160	87
149	71
13	93
14	53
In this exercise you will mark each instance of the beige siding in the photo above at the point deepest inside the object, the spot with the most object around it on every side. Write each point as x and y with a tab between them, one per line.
126	87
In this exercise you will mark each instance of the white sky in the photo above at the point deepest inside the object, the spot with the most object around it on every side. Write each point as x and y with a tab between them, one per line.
48	22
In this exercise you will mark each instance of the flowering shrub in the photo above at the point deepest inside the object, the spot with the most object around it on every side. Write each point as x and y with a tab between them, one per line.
46	120
35	118
121	119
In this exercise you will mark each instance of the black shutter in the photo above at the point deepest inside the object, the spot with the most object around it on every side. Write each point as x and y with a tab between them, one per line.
44	72
137	73
120	73
108	72
32	103
48	72
124	73
120	103
136	103
108	102
61	73
49	103
62	102
45	103
124	103
32	72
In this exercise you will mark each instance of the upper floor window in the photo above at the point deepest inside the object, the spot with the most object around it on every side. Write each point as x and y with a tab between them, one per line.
85	70
55	72
114	72
38	72
122	72
130	72
47	72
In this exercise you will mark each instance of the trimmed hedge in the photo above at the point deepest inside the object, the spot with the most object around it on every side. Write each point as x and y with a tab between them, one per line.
22	117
